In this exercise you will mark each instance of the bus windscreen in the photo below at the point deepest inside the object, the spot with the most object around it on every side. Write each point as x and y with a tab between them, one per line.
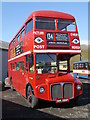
45	24
46	63
66	25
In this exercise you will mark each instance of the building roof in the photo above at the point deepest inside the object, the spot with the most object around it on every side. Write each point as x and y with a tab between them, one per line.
84	61
4	45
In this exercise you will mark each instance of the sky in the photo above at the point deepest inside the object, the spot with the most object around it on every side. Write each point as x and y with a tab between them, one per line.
14	15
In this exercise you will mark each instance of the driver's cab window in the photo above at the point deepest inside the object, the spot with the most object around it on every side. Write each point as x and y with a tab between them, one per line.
63	65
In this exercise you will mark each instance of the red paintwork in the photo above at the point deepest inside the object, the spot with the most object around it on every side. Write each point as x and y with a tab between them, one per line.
20	79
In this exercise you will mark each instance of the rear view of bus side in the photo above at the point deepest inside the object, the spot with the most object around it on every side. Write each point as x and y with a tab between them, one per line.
39	58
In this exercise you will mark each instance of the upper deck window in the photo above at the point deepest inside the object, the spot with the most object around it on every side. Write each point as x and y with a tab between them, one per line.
29	26
18	37
45	24
66	25
13	42
22	32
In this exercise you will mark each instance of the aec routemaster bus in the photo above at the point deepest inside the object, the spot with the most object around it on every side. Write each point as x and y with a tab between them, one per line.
45	40
81	69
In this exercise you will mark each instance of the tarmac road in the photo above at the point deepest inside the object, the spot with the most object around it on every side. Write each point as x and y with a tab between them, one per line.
15	106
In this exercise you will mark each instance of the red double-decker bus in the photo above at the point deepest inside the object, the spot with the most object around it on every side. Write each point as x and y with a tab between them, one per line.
39	58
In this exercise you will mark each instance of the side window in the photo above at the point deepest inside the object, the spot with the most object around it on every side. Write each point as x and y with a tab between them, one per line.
85	66
31	63
22	66
22	32
13	66
75	66
29	26
18	37
11	45
13	42
80	66
26	61
17	66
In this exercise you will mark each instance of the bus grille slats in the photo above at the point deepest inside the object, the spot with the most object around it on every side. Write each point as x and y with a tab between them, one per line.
56	91
67	90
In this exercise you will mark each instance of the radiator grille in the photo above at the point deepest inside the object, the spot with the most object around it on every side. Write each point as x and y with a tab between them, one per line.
56	91
67	90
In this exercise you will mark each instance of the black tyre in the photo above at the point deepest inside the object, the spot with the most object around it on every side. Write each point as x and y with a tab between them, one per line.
31	99
11	84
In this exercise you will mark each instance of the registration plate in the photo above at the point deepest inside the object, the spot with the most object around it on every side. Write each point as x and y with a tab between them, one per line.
62	100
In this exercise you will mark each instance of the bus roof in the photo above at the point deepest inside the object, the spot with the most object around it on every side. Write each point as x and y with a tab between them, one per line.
46	13
51	14
84	61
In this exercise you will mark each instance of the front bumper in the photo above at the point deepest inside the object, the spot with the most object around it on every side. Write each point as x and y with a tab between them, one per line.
59	92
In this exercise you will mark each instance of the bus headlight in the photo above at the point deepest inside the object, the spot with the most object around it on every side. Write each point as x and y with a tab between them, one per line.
78	87
41	89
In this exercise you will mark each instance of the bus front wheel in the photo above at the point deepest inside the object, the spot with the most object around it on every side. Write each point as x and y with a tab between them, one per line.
31	99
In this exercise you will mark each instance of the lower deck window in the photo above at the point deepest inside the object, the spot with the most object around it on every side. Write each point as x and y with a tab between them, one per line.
22	66
17	66
12	66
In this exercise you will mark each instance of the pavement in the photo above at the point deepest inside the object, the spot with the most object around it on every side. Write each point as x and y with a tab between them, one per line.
15	106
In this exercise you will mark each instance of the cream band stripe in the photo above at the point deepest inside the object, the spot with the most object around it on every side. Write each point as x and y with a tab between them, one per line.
45	51
54	51
25	53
